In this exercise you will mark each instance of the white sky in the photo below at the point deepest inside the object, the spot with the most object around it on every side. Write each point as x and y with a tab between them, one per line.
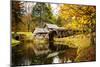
29	6
55	8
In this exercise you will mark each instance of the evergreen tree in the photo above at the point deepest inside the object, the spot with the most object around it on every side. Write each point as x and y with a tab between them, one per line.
42	13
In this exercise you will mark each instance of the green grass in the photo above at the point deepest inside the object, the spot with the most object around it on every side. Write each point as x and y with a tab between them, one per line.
14	42
25	33
79	41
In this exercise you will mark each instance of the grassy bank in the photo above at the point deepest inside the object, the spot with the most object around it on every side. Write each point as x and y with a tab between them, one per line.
86	51
82	40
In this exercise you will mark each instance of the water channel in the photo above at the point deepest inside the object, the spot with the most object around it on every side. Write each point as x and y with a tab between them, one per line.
29	53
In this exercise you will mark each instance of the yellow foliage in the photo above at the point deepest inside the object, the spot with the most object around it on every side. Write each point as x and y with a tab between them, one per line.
80	16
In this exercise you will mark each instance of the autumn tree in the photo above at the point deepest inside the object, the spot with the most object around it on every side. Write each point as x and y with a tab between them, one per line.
27	17
28	24
81	17
17	12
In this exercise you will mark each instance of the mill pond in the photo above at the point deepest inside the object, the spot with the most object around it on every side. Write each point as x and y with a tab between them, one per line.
40	48
30	53
28	50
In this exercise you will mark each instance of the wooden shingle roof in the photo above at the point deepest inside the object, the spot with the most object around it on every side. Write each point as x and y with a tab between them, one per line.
40	30
52	26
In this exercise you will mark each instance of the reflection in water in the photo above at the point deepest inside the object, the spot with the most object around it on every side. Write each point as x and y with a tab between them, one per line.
56	60
30	53
68	61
